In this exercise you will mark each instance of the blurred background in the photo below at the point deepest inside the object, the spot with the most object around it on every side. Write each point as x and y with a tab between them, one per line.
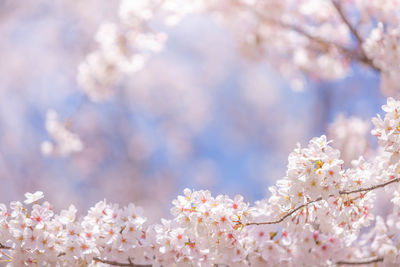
200	114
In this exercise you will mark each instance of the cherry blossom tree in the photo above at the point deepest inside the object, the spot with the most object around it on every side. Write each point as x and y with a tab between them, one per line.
321	213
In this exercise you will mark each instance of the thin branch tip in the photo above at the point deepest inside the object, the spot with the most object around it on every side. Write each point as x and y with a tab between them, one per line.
360	262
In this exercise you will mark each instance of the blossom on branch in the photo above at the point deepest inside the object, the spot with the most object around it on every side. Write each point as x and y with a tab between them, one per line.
313	218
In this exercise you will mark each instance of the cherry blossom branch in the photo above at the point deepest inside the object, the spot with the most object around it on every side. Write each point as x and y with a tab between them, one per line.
353	30
367	261
318	40
309	36
367	189
286	215
360	190
363	58
115	263
357	54
4	247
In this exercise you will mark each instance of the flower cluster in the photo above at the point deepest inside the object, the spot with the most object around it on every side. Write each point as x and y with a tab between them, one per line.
35	236
203	232
124	47
382	46
313	218
314	37
388	129
64	141
314	184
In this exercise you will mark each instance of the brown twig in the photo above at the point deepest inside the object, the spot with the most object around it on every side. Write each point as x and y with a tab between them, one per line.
4	247
367	189
353	30
115	263
316	39
343	192
286	215
361	262
363	57
357	54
